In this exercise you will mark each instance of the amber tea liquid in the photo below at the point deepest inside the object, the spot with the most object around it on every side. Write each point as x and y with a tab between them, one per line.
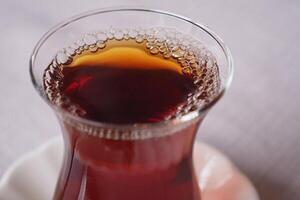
125	80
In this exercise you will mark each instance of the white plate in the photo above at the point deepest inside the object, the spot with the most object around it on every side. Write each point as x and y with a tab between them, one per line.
34	175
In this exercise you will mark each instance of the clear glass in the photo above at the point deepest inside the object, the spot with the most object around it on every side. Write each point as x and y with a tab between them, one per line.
130	162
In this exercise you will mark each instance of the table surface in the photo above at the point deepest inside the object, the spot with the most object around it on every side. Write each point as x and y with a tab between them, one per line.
257	123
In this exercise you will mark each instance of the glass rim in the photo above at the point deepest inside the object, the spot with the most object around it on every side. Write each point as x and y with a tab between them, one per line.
190	116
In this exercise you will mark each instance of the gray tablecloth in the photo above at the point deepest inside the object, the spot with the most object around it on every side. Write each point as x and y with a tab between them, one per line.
256	124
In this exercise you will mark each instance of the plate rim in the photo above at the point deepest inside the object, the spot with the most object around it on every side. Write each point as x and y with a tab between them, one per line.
5	180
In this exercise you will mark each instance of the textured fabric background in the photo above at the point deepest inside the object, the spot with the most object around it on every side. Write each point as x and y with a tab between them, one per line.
257	123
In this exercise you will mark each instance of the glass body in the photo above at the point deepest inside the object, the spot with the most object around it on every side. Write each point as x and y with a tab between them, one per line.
158	168
129	162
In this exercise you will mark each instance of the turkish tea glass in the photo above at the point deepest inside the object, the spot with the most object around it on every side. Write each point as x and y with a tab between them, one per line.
149	161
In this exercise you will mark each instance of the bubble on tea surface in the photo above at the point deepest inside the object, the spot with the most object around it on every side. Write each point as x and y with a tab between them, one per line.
139	38
132	33
62	57
101	44
154	50
90	39
101	36
119	35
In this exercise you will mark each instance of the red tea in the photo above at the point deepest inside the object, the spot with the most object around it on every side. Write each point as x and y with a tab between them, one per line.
126	86
125	81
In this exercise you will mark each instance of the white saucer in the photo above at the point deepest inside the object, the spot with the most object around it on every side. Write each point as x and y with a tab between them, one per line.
34	175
